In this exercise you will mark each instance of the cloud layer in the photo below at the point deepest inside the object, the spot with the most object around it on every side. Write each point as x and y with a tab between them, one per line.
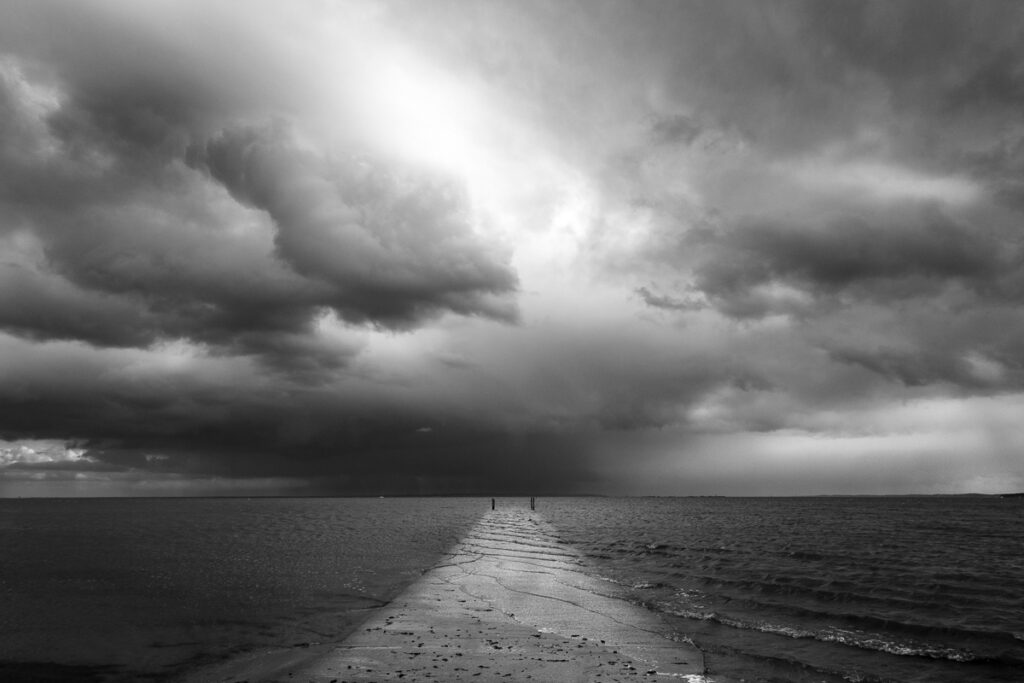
513	246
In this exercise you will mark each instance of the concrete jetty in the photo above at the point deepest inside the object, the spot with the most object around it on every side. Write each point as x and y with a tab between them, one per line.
510	602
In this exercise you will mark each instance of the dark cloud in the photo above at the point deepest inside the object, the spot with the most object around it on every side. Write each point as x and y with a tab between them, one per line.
667	302
968	347
911	368
45	306
394	244
940	46
893	256
193	275
130	246
995	81
735	219
675	129
225	417
62	468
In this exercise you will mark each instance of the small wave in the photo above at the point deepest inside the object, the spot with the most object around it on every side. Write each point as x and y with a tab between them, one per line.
649	585
609	579
717	618
859	639
903	625
902	649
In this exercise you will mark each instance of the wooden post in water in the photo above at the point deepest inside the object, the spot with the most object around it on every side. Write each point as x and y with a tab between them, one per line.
492	503
533	502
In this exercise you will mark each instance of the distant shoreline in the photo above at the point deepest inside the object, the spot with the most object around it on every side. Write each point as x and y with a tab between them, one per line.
489	496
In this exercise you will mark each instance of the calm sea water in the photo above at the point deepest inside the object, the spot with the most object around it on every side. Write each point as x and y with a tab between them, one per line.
821	589
804	589
144	589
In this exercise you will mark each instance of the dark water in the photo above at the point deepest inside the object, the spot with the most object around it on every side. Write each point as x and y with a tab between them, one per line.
822	589
805	589
144	589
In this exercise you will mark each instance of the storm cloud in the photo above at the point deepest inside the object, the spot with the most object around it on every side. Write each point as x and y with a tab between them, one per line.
144	205
404	247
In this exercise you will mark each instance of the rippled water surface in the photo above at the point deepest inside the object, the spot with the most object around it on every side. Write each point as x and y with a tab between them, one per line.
803	589
822	589
125	590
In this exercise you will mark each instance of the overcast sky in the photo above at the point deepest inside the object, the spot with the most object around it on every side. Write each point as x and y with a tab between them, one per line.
470	247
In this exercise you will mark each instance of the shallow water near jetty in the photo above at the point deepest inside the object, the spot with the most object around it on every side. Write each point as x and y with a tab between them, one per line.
821	589
145	589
